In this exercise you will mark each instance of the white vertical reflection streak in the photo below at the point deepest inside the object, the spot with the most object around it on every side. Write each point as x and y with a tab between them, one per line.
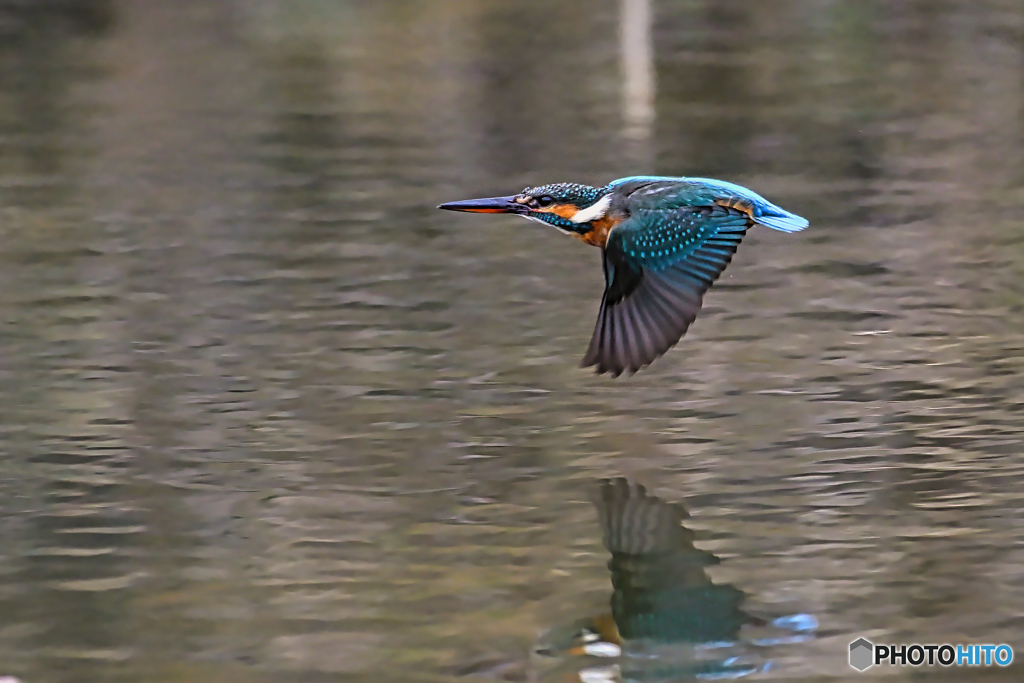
638	84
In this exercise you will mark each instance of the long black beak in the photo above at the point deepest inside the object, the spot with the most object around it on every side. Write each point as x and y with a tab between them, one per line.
488	205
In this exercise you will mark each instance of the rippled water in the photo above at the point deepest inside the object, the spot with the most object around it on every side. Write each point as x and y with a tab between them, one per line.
266	414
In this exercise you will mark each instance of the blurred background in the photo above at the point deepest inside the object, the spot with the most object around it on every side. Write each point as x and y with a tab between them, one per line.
267	415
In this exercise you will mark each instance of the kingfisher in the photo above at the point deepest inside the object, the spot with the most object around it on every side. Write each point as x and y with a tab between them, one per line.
664	241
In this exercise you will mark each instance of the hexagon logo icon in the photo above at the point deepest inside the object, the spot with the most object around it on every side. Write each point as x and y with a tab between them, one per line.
862	654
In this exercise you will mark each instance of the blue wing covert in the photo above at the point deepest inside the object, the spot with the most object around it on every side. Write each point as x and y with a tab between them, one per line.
658	264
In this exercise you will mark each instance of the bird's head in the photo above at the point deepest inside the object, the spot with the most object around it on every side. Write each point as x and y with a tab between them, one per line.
570	207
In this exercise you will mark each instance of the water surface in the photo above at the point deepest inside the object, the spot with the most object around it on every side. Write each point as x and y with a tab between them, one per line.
267	415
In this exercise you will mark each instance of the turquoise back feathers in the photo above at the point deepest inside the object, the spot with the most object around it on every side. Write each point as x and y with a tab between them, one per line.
703	190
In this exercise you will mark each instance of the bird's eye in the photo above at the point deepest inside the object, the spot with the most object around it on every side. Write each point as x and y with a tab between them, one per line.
545	200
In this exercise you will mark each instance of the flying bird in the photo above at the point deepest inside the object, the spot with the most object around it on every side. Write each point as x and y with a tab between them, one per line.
664	242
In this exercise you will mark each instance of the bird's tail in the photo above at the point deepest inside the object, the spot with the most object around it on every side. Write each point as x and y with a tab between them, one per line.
780	219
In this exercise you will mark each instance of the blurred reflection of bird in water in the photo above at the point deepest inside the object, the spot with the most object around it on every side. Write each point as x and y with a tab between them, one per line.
668	620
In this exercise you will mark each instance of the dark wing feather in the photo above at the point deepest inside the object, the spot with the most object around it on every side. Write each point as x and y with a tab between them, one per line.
635	523
658	265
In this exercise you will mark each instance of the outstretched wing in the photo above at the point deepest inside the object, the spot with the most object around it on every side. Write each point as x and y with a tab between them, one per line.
662	591
658	263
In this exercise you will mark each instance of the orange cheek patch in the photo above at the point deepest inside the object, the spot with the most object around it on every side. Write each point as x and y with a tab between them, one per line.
562	210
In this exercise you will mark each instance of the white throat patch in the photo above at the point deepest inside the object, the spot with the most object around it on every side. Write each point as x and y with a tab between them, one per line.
593	212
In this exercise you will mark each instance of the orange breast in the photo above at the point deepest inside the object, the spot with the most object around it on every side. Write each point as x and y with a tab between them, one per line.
599	235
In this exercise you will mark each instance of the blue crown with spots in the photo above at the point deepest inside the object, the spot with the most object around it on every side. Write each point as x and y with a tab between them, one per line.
580	196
